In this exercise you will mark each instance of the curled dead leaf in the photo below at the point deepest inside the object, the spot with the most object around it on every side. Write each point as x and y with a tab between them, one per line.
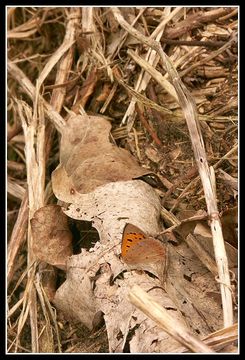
89	160
75	298
52	239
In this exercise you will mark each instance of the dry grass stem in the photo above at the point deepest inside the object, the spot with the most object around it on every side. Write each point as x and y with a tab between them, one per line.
29	89
17	236
15	189
210	57
156	75
152	59
222	337
35	162
141	98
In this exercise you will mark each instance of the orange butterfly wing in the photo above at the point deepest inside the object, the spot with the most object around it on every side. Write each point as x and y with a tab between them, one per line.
131	236
139	249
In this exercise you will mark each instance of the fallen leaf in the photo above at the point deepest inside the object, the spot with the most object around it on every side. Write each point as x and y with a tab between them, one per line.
75	297
230	182
187	283
52	239
229	221
88	159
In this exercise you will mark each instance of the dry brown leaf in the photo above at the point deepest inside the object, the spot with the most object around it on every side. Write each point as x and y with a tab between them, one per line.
126	324
82	130
63	187
52	239
229	220
203	235
109	165
188	221
75	297
230	182
187	283
89	160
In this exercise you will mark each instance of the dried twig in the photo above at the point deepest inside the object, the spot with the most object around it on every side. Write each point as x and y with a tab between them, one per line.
14	188
147	125
25	30
14	131
139	97
193	42
194	21
66	45
86	90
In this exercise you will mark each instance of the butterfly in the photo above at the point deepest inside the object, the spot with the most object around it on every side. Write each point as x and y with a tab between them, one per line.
138	248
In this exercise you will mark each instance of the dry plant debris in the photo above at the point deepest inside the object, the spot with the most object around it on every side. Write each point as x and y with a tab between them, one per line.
100	118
